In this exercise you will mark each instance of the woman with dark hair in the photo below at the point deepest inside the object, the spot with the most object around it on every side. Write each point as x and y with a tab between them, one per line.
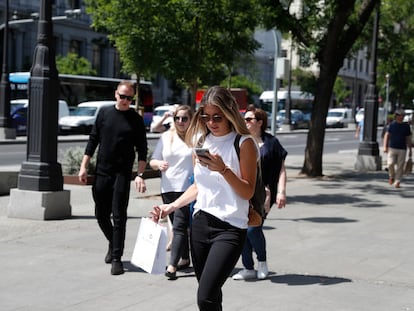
272	156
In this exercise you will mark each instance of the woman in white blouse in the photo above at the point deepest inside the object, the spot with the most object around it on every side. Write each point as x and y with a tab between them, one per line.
222	187
174	159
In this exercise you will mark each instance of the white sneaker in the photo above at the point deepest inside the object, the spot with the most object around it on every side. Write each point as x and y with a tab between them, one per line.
245	275
262	270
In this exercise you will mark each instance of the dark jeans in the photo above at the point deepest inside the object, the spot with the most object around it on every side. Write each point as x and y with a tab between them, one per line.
215	249
111	196
181	223
256	241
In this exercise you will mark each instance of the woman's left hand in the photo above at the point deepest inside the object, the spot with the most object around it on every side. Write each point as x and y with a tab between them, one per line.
213	162
281	200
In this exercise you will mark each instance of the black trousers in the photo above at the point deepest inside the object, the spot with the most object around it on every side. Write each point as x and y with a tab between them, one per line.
215	249
111	196
181	223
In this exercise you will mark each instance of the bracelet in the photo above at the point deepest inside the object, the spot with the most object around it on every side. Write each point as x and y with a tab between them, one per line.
141	175
282	192
225	169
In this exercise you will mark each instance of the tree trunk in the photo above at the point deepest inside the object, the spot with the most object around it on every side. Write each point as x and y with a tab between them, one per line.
329	67
193	90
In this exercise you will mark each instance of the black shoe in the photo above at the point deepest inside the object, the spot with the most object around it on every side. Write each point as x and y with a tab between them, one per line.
183	264
108	257
171	275
117	267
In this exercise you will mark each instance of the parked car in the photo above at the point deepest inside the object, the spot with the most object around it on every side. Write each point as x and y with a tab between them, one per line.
19	120
408	117
298	120
339	117
81	120
18	113
159	113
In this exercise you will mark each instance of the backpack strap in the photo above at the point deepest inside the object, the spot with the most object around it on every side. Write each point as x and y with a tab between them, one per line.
237	145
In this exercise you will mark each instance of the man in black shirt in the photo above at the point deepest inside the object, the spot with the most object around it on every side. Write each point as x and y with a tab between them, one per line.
120	132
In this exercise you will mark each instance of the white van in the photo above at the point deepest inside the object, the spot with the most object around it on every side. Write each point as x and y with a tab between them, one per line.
24	103
339	117
82	118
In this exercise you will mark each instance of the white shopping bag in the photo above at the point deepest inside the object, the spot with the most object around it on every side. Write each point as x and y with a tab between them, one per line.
150	247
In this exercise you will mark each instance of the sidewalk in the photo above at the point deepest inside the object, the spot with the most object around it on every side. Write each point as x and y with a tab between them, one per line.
343	243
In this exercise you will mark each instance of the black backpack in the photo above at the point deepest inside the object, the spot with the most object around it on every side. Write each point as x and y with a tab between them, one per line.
259	196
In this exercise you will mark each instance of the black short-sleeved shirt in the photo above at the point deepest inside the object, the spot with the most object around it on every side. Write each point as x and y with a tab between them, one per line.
272	155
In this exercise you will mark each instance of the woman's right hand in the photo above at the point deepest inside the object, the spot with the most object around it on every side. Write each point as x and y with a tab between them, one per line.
163	166
160	211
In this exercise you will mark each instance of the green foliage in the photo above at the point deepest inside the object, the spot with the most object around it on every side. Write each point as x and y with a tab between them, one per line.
396	51
305	79
243	82
73	64
72	159
340	90
327	31
189	41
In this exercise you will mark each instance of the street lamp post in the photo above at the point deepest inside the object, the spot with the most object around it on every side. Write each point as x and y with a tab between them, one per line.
276	38
387	94
287	123
368	152
40	193
6	130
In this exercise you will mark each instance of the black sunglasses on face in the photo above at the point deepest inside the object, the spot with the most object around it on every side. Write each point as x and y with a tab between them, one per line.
206	118
249	119
129	98
182	119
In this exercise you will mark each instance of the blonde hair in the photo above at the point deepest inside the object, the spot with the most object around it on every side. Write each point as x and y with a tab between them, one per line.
128	84
173	129
221	98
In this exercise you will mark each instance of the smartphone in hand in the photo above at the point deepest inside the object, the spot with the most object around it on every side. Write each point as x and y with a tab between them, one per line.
202	152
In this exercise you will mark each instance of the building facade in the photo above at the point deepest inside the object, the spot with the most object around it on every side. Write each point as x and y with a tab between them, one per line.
355	71
72	34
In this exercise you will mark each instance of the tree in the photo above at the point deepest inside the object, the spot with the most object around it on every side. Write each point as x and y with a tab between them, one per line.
396	50
72	63
189	41
340	91
253	88
328	30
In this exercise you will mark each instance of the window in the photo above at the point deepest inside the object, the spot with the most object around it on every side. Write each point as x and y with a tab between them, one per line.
75	47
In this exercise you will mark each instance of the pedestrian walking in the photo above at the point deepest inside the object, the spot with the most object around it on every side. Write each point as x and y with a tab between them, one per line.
120	133
222	187
272	160
174	159
397	140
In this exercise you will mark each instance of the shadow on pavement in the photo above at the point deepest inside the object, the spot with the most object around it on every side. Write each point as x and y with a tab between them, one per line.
326	219
301	279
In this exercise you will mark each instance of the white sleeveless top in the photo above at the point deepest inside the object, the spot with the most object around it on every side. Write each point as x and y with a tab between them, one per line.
215	195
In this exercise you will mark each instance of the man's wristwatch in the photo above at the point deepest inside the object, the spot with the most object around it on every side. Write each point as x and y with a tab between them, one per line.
141	175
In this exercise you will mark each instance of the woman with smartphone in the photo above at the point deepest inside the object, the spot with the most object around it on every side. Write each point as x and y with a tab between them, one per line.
222	187
174	159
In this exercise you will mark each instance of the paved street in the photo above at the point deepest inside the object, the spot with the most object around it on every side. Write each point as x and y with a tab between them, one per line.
344	242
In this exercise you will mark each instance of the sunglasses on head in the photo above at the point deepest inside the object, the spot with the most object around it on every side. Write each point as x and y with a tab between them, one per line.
215	118
182	119
122	96
249	119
